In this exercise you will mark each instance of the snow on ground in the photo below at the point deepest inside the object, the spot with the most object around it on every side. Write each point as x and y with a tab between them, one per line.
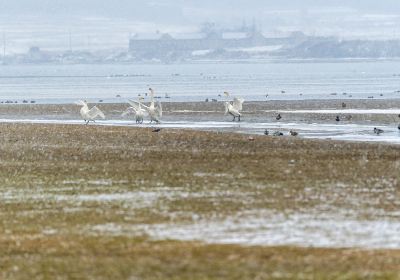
275	229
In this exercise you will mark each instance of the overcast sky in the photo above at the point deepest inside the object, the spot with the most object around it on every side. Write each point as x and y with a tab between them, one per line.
134	8
108	22
178	9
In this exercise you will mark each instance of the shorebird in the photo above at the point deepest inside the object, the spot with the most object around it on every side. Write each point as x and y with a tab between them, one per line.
234	107
278	117
293	133
136	108
155	112
89	115
266	132
277	133
378	131
337	118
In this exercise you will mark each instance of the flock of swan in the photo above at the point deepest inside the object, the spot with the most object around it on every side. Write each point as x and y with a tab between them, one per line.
153	111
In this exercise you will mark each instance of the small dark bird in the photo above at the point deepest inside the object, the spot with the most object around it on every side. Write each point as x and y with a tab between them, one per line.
278	133
293	133
337	118
156	130
398	127
378	131
266	132
344	105
278	117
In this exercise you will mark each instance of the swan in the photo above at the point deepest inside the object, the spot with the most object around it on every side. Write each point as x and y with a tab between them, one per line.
155	112
89	114
234	107
136	108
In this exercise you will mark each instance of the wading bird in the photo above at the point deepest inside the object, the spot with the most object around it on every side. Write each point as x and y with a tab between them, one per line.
136	108
155	112
89	115
293	133
378	131
234	107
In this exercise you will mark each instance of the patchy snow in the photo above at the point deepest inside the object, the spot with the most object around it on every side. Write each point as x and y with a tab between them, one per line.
201	52
259	49
272	229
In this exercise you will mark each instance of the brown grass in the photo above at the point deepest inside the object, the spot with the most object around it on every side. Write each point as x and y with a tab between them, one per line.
48	238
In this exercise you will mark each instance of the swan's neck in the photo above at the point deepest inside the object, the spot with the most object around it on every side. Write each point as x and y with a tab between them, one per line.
152	97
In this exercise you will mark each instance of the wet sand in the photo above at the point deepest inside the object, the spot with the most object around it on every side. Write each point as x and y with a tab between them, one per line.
310	119
126	202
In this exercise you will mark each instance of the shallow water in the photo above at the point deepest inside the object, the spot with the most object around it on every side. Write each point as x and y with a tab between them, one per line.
195	82
334	131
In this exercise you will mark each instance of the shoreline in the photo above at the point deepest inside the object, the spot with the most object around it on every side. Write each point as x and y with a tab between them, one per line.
314	120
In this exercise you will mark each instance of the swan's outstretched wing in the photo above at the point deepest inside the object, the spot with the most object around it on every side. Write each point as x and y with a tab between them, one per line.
238	103
137	105
128	111
226	107
96	112
159	110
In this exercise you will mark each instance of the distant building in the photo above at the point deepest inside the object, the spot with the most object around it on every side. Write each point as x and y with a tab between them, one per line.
193	42
209	43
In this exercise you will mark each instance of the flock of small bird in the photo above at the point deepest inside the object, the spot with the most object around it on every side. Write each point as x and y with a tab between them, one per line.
154	112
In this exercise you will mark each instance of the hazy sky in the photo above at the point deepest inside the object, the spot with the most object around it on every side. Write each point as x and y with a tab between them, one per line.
107	23
167	10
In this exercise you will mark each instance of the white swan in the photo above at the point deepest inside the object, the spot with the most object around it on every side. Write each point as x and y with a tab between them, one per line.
234	107
89	114
155	112
136	108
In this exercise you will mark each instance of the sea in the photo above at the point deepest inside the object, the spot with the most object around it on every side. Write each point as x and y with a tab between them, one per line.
254	81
